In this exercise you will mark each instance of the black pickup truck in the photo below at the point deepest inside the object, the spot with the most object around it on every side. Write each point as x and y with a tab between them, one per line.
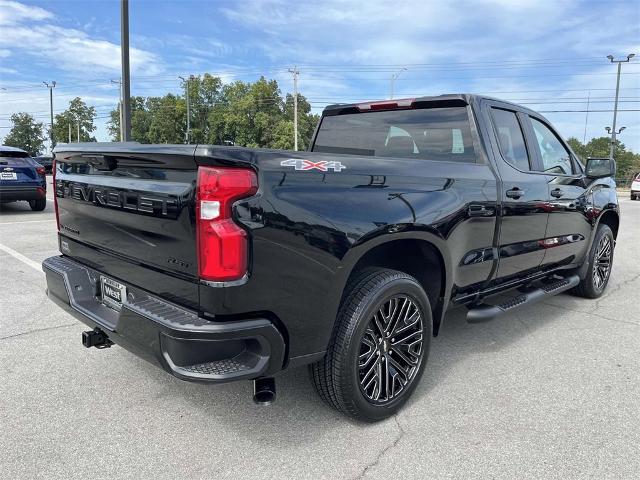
224	263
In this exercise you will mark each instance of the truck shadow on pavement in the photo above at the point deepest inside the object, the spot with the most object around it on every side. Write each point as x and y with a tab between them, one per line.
21	208
298	405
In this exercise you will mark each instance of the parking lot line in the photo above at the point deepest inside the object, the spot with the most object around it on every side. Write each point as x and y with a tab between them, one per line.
26	221
22	258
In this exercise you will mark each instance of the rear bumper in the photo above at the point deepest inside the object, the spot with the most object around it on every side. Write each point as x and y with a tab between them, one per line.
10	193
172	337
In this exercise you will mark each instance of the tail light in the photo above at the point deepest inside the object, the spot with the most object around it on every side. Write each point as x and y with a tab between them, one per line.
222	244
55	197
386	105
40	170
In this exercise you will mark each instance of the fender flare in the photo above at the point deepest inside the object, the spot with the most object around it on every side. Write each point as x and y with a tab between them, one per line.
612	207
360	249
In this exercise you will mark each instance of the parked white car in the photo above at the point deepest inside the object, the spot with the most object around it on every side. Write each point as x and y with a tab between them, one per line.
635	188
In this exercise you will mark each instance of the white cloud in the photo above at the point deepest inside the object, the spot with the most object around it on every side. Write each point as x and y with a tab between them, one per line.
74	50
14	12
465	38
468	39
336	31
68	48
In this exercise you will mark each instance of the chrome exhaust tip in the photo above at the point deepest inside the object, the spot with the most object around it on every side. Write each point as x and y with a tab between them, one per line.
264	391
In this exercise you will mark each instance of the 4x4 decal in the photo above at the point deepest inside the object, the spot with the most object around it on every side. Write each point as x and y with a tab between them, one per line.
322	165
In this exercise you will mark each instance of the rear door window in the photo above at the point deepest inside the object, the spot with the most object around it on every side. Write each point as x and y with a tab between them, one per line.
511	138
425	133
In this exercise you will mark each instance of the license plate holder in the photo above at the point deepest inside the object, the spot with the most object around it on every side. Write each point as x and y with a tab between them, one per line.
114	294
8	176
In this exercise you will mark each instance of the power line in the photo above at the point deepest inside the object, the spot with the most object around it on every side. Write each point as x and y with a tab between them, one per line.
362	68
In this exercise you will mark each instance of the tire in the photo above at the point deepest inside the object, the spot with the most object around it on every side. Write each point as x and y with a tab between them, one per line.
38	205
596	279
343	377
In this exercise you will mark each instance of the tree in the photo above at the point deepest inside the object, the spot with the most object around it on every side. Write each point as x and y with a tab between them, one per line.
283	136
80	114
247	114
168	117
627	162
140	120
26	134
204	93
238	113
307	121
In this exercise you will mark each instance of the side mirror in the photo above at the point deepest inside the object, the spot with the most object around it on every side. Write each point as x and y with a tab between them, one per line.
600	167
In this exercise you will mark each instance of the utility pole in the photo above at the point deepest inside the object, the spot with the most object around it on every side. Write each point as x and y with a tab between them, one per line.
126	79
586	119
615	107
78	130
295	73
394	77
186	95
69	132
119	82
51	86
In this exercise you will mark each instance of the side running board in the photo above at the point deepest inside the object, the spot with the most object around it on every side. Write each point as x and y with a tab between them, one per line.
484	312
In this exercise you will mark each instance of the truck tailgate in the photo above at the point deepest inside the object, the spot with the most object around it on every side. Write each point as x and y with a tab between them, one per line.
129	208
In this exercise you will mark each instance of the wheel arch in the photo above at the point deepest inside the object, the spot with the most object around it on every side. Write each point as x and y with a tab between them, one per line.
611	218
399	251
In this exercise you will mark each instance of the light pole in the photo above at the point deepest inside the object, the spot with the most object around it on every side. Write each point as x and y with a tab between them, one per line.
51	86
186	88
609	131
615	107
394	77
295	73
126	79
119	82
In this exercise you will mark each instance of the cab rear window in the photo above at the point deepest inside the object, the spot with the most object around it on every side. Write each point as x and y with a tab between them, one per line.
427	133
12	154
6	159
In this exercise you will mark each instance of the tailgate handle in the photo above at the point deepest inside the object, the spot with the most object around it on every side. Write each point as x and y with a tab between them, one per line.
100	162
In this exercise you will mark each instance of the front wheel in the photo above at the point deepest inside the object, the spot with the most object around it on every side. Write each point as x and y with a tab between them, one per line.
600	259
379	347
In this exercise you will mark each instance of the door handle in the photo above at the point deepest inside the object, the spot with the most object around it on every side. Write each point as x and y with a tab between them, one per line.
557	193
515	192
476	210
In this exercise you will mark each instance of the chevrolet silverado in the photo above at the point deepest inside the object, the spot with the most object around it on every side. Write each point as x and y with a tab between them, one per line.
225	263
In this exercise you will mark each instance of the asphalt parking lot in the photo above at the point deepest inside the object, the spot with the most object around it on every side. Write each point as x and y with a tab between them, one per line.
550	391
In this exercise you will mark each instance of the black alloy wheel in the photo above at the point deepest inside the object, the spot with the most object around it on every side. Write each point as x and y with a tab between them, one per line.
379	347
390	350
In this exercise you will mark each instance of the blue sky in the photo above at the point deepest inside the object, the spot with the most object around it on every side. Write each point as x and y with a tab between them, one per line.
549	55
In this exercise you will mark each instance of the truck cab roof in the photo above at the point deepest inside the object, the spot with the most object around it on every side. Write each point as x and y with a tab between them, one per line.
445	100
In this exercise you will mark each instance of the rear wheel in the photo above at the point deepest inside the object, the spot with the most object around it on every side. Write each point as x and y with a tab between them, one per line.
600	263
379	348
38	205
